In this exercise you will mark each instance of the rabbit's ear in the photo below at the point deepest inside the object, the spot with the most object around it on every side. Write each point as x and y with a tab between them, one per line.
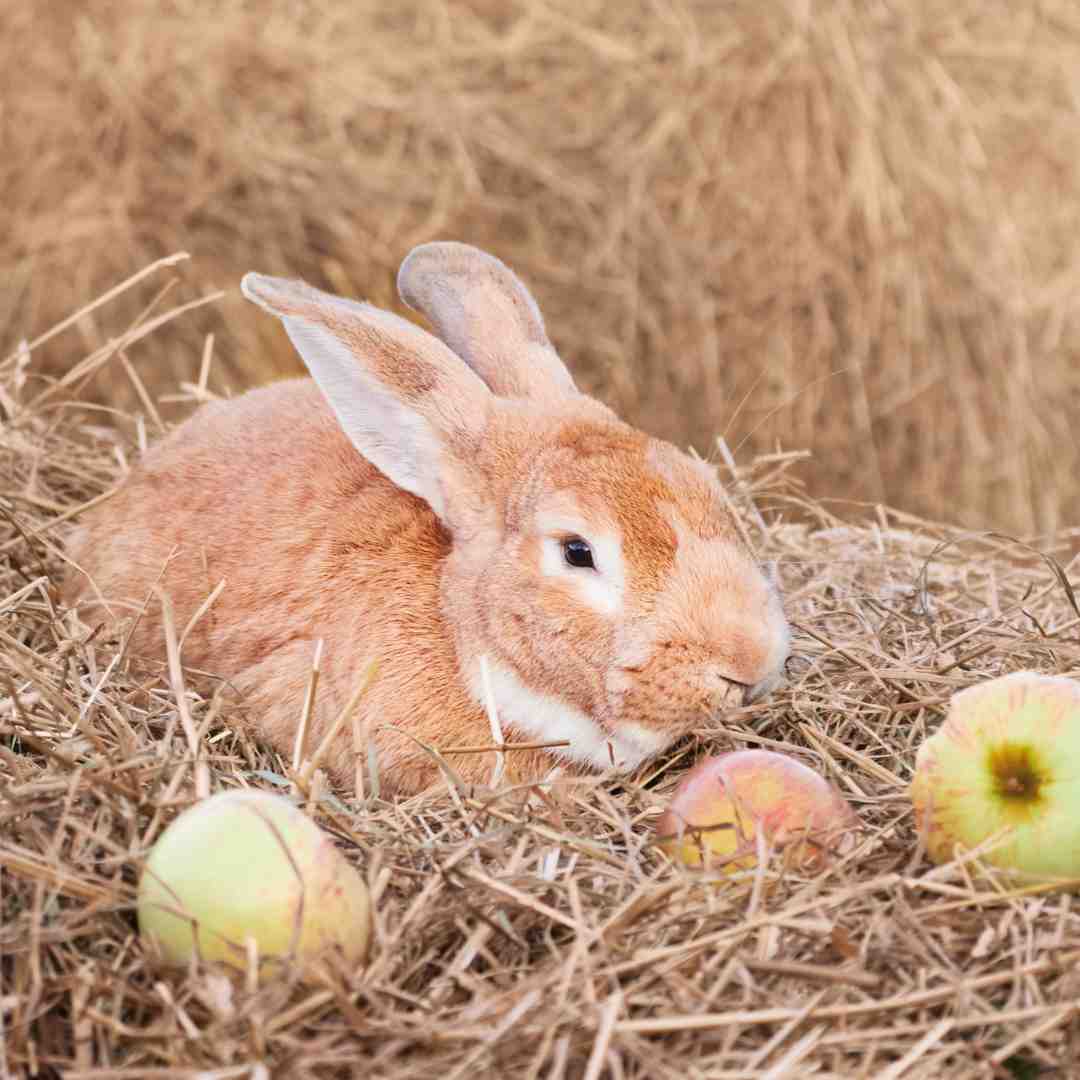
481	309
407	403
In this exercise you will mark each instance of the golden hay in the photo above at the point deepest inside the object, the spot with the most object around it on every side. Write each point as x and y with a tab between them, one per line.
848	226
551	941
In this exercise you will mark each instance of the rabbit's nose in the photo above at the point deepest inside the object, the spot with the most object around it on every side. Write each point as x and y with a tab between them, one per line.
728	691
723	691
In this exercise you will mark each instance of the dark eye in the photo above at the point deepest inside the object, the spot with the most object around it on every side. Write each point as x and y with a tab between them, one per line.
578	553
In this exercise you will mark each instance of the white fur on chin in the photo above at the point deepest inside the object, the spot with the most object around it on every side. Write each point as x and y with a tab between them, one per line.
546	718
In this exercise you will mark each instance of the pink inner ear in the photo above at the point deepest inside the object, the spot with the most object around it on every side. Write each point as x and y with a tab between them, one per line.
402	398
482	310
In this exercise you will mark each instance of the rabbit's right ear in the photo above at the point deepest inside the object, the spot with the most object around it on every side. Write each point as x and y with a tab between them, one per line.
406	402
481	309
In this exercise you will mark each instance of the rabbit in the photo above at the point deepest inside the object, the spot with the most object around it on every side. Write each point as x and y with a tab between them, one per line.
451	506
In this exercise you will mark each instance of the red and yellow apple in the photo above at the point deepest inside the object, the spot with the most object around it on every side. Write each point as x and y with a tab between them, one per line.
1006	762
721	804
251	865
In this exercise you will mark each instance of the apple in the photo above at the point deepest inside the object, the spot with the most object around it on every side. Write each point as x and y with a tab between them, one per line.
249	864
720	804
1006	760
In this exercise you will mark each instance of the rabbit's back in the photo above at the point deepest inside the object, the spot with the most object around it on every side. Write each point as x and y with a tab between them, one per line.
265	493
311	540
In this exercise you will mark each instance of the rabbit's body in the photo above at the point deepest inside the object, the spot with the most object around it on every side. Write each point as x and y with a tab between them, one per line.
218	500
463	540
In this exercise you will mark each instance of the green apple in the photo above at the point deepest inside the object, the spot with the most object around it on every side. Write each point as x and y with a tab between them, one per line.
249	864
1006	761
721	803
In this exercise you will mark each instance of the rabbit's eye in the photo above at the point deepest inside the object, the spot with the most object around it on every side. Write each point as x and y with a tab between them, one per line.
578	553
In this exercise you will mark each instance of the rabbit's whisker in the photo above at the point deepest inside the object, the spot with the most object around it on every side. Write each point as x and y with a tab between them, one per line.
500	748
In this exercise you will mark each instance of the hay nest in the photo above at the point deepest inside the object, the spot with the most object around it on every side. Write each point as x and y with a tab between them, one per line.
552	940
851	226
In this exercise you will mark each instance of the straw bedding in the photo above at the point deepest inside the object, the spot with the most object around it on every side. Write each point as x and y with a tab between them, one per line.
847	225
546	940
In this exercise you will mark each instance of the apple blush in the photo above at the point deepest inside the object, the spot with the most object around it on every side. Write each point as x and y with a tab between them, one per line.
720	804
246	865
1006	762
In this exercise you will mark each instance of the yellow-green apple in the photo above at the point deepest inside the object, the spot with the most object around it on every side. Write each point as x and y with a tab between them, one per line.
721	803
1006	762
249	864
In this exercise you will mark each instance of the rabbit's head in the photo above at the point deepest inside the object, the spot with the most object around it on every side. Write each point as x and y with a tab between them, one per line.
595	584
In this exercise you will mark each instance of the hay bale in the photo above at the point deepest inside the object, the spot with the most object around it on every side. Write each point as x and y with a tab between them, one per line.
553	941
847	227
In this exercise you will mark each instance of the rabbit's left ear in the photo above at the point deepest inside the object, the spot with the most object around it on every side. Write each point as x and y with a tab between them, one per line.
481	309
405	401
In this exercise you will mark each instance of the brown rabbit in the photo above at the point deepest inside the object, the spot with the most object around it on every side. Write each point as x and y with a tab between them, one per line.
426	502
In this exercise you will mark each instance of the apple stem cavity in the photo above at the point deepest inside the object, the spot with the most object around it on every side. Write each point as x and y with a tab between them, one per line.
1016	773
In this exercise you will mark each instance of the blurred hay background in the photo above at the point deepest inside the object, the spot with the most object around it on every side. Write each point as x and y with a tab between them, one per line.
845	226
